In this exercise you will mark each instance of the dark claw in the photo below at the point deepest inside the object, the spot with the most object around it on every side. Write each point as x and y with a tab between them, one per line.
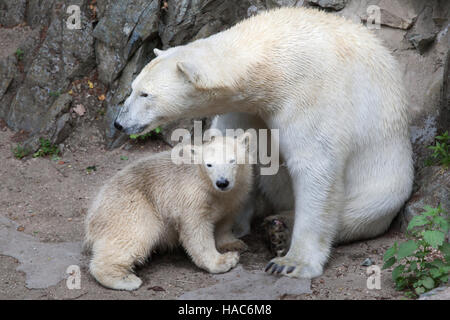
290	269
274	268
269	266
280	269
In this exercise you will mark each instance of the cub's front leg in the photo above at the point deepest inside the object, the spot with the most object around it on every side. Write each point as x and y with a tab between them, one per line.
225	239
197	237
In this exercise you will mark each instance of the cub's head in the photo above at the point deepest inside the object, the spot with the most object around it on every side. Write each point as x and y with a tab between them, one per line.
178	83
225	161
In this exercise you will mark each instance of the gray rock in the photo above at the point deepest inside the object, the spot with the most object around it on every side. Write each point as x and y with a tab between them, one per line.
444	113
44	264
240	284
283	3
8	71
367	262
38	13
330	4
395	14
441	293
12	12
432	188
102	7
422	41
110	62
424	31
122	30
183	21
64	55
58	124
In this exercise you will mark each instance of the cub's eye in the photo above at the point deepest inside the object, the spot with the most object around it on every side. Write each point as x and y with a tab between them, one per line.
232	161
209	165
144	95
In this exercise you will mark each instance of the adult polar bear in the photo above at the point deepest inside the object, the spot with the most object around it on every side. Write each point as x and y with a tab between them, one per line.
334	92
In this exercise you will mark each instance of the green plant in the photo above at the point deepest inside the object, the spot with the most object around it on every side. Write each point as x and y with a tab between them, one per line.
54	93
19	54
441	151
20	152
46	148
423	262
145	136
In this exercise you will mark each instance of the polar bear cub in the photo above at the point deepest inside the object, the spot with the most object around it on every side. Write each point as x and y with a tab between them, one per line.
157	203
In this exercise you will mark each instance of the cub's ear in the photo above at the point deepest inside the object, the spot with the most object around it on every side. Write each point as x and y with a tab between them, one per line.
158	52
190	71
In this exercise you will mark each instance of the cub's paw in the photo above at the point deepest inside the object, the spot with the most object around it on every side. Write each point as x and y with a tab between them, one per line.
225	262
278	235
236	245
129	282
293	268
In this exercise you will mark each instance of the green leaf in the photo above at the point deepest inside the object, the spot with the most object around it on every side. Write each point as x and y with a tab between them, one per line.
441	222
428	282
418	221
434	238
430	211
400	283
397	272
437	263
445	249
406	249
435	272
420	290
390	252
413	266
158	130
389	263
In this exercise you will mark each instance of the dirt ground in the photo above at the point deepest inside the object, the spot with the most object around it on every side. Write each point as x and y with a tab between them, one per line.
46	201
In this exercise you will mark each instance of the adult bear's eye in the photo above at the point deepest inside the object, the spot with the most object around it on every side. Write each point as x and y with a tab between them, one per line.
144	95
209	165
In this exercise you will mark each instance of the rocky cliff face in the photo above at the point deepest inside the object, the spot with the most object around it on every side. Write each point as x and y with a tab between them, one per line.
45	70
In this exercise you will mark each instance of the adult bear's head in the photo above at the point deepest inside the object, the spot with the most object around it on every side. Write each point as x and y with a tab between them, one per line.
181	82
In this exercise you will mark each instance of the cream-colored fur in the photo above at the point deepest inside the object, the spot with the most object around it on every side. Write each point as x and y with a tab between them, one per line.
334	92
155	203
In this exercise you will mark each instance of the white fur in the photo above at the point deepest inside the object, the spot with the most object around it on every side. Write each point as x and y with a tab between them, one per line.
156	204
337	97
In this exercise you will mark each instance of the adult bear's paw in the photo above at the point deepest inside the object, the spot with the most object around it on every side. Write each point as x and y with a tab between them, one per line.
294	268
278	234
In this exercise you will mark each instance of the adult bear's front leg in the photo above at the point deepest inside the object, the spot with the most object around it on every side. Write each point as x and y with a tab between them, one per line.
318	189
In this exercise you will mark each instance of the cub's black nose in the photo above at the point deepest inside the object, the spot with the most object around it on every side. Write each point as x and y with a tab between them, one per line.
118	126
222	183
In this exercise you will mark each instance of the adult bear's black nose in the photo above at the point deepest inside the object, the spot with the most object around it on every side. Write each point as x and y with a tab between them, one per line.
222	183
118	126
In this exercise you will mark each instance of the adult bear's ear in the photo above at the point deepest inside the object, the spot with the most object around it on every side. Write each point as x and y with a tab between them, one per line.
206	76
191	72
158	52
